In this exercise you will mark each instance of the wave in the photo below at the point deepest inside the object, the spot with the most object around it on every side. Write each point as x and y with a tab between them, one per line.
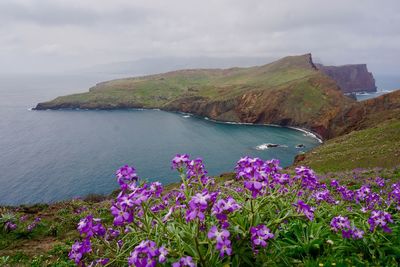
266	146
307	133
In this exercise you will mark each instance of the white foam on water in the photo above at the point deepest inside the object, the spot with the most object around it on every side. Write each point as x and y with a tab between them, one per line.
266	146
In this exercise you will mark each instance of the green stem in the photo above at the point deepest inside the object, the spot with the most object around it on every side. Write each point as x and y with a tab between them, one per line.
196	241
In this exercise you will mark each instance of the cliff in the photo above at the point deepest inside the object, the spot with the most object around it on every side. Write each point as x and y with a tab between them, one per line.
366	114
351	78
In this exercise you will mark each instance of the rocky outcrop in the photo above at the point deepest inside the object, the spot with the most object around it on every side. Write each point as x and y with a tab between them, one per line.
351	78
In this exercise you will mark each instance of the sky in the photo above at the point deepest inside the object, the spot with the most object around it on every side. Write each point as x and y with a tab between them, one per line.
63	35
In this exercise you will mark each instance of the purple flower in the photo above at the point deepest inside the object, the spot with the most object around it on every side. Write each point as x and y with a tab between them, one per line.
380	218
121	215
307	178
112	233
156	189
223	207
163	254
340	223
282	179
195	168
380	181
346	194
125	176
357	233
79	249
323	195
214	233
222	238
199	204
184	261
90	226
224	247
258	175
145	254
362	192
179	161
334	183
305	209
10	226
259	236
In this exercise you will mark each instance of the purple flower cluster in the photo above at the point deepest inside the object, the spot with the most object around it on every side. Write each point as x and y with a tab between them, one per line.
259	236
305	209
154	214
222	208
129	201
257	174
380	181
323	195
394	194
223	243
147	254
381	219
340	223
125	176
180	161
198	204
195	169
307	177
346	193
89	227
79	249
33	224
184	262
10	226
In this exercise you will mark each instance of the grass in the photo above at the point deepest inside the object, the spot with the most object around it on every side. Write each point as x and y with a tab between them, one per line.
378	146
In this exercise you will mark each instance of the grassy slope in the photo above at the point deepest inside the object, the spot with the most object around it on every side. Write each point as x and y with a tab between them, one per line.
215	84
378	146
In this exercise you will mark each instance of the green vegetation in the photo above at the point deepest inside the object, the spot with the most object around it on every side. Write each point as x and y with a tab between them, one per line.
378	146
213	84
299	241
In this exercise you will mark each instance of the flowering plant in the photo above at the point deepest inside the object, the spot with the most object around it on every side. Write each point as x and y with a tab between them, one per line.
263	215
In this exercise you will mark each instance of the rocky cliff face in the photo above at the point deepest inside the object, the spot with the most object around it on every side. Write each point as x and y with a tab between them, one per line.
351	78
365	114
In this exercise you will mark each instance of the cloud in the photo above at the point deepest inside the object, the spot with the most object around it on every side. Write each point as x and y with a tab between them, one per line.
68	34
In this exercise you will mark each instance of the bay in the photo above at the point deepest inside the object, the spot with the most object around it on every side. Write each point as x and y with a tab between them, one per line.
47	156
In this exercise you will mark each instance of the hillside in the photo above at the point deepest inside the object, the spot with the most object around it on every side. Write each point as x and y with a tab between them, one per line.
369	136
290	91
377	146
365	114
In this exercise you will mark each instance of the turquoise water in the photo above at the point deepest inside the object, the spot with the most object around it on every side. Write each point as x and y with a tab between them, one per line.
54	155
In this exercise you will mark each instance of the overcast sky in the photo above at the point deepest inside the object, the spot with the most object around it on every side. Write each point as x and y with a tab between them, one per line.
44	35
